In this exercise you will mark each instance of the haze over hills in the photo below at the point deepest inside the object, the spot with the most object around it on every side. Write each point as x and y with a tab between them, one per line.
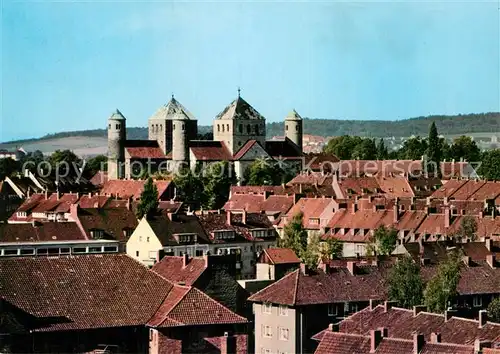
91	142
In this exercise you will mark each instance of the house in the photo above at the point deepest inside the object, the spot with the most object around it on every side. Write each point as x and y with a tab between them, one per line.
316	213
81	303
291	310
214	275
125	189
174	233
244	234
274	263
377	341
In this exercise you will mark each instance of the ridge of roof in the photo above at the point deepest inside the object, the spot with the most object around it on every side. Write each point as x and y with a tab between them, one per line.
173	110
239	109
296	286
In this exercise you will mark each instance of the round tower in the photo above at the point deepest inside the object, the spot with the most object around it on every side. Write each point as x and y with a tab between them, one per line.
179	139
293	128
116	145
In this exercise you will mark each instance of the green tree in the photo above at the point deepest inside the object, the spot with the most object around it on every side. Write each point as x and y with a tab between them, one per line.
295	237
8	168
434	154
262	172
311	253
494	310
331	249
490	165
442	287
465	148
413	149
189	187
64	162
342	146
96	164
405	283
383	241
365	150
148	204
467	229
217	181
382	152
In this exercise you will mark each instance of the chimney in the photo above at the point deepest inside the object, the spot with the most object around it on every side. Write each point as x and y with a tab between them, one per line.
445	200
46	194
373	304
354	207
333	327
481	214
351	267
428	201
435	337
479	345
159	255
128	202
487	243
388	305
185	260
244	217
58	195
446	217
448	314
385	332
395	218
490	258
228	217
73	211
303	269
418	343
466	260
483	317
418	309
207	261
375	339
228	344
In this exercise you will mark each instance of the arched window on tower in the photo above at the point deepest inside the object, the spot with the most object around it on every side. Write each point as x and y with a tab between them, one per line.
249	130
118	126
183	126
240	128
218	127
256	129
296	128
223	128
173	126
286	126
227	127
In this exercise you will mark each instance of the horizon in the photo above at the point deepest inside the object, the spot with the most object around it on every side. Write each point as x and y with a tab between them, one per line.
349	61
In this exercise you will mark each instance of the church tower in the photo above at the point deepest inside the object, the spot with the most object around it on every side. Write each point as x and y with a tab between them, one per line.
117	135
180	140
293	128
238	123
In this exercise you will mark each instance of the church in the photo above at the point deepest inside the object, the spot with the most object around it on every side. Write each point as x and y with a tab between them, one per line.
239	137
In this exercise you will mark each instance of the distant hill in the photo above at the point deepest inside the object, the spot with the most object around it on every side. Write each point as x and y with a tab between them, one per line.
447	125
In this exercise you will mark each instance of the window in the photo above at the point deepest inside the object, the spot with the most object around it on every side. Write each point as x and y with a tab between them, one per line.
10	252
173	126
199	253
218	127
477	301
118	126
354	307
27	251
228	127
265	351
267	331
53	251
183	126
137	253
248	129
240	128
109	126
110	249
147	239
266	308
79	250
332	310
296	128
283	310
95	249
286	127
64	250
256	128
284	333
140	238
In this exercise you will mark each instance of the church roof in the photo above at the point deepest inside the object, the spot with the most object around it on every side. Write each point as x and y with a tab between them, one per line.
293	115
239	109
173	110
117	115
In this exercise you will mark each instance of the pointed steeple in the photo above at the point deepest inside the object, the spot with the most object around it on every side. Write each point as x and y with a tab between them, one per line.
239	109
173	110
293	115
117	115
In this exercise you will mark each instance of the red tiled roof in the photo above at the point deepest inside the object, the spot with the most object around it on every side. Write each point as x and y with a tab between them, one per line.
339	285
402	323
46	231
467	189
317	161
249	202
244	149
31	202
83	292
188	306
210	150
99	178
277	203
131	188
490	190
169	206
145	152
241	343
93	201
311	208
449	188
281	255
172	269
395	187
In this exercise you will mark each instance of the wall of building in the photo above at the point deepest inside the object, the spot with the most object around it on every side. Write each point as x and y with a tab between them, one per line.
275	321
240	131
116	148
143	245
293	131
352	249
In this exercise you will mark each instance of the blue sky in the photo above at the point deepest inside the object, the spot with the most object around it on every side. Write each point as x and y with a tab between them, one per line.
68	65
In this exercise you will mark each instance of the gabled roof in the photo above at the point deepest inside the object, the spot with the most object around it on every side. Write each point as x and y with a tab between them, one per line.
277	203
283	149
45	231
249	202
239	109
82	292
117	115
131	188
173	110
166	229
209	150
188	306
245	148
145	152
293	115
281	255
116	223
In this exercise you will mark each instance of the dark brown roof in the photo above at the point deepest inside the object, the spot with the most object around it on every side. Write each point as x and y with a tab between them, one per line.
277	203
165	229
83	292
40	231
283	148
188	306
402	323
339	285
116	223
172	268
281	255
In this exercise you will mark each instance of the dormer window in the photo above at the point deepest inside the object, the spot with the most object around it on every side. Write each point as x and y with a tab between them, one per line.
314	221
262	233
21	214
186	238
96	234
224	234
